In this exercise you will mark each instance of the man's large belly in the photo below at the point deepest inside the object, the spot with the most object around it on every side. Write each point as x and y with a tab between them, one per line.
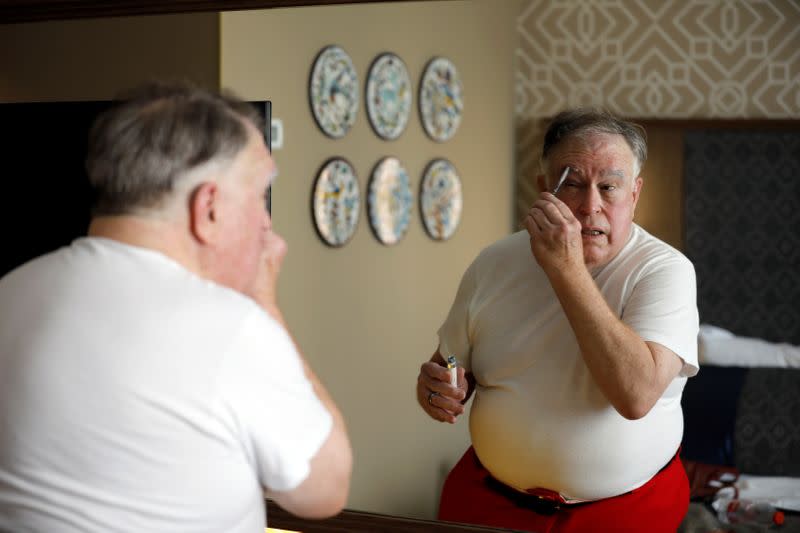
574	444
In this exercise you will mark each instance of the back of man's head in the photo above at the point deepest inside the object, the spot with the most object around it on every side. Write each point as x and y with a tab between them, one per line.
159	136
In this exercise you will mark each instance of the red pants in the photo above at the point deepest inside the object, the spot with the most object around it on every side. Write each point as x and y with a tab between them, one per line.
657	506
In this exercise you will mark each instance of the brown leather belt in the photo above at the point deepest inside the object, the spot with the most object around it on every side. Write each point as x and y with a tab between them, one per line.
540	504
534	502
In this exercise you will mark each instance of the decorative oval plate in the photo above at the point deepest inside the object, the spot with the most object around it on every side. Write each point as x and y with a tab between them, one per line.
440	199
389	201
336	201
333	91
441	101
388	96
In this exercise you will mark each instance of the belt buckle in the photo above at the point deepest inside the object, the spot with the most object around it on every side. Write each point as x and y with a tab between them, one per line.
549	498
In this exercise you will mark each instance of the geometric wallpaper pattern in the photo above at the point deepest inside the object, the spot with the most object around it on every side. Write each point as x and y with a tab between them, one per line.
767	430
742	190
652	59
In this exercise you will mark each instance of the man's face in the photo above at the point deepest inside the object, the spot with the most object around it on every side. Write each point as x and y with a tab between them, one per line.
248	231
600	190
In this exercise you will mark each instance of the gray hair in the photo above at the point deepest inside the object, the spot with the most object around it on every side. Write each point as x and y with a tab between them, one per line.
140	149
583	122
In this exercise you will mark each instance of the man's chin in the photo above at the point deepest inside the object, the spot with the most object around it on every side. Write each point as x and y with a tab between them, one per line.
593	260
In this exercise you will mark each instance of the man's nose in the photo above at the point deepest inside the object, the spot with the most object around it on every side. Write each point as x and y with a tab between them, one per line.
591	201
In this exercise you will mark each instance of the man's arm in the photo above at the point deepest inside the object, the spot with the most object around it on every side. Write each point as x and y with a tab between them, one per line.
435	395
324	492
632	373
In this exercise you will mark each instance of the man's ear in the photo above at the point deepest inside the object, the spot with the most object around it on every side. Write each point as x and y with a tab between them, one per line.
541	182
204	212
638	183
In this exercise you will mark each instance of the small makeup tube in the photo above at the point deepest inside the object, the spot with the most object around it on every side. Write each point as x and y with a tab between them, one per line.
452	366
561	180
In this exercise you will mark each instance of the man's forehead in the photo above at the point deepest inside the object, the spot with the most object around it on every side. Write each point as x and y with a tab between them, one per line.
597	141
604	155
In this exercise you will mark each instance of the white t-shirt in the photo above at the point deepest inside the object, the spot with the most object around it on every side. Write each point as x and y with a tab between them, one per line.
538	419
136	396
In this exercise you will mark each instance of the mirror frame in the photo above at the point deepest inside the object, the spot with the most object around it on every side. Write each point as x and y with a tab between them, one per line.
16	11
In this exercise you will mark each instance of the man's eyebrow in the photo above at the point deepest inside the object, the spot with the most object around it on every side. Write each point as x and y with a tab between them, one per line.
573	170
614	173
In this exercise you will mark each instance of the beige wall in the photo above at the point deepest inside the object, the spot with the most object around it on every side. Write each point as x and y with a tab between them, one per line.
95	58
366	314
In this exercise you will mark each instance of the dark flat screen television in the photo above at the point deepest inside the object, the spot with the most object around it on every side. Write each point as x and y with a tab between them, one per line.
46	193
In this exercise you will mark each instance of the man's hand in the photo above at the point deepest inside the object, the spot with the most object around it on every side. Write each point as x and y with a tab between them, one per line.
264	289
436	396
555	234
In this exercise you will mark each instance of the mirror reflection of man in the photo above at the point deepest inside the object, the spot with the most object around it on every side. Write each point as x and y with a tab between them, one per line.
147	379
576	337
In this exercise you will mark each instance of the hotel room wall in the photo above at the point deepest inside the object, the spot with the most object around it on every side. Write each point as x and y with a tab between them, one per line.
93	59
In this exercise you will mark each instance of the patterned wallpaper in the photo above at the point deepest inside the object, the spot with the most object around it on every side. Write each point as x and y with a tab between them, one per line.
742	214
653	59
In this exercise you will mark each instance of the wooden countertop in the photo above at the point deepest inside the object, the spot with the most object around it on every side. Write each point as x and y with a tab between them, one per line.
359	521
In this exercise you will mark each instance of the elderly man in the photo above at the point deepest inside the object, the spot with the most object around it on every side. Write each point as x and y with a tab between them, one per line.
147	379
576	336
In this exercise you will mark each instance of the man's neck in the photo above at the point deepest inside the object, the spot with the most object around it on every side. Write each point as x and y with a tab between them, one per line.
165	236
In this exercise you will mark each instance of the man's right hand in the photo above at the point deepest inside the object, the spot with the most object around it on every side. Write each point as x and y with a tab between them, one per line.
555	234
264	288
436	395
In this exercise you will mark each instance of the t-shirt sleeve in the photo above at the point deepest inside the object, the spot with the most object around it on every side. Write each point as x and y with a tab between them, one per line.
280	421
454	334
663	309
